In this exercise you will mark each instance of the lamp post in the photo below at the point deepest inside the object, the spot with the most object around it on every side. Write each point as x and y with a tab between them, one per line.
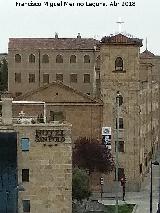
152	163
158	210
117	144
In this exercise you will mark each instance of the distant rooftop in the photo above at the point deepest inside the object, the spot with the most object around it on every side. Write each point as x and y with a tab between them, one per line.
147	54
121	39
54	43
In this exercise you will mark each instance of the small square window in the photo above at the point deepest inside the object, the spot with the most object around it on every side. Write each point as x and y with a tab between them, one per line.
26	205
25	144
25	175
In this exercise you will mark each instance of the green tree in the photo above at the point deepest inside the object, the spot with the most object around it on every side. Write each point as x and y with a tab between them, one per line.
3	75
80	185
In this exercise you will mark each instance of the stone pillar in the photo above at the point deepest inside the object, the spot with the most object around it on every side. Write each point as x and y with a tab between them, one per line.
6	110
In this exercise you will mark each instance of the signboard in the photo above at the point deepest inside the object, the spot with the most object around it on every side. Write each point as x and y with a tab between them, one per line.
106	130
106	136
49	136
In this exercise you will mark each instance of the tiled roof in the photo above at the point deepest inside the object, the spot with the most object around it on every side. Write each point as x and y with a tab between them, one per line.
121	39
147	54
53	43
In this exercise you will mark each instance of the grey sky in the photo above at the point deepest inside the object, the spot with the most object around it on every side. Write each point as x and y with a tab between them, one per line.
141	21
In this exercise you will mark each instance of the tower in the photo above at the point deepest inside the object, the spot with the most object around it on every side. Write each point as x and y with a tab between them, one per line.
120	72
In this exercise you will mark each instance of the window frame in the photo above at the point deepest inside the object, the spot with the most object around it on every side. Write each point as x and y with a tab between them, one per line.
59	74
45	58
28	209
73	59
44	76
32	58
25	175
59	59
17	77
32	79
71	79
85	80
22	145
18	60
119	64
87	59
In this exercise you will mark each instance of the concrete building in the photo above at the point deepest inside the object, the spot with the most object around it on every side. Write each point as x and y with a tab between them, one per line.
103	68
36	164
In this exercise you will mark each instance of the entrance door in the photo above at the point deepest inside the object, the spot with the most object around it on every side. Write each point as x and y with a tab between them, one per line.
8	173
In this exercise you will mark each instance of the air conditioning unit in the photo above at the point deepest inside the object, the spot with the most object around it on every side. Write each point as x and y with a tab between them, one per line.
106	130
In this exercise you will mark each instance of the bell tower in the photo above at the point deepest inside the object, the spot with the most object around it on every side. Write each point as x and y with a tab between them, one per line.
120	73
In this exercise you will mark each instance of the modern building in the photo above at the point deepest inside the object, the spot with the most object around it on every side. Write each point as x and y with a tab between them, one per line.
35	164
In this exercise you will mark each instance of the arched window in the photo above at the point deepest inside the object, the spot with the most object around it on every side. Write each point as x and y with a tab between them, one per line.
18	58
59	59
31	58
119	64
73	59
86	59
45	58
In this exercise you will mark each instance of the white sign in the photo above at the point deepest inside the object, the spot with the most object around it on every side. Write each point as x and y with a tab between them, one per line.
106	130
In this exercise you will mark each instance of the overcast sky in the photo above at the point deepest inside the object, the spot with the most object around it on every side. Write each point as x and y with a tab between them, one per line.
141	20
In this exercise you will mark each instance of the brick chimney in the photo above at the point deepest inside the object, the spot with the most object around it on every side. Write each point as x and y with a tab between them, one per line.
6	109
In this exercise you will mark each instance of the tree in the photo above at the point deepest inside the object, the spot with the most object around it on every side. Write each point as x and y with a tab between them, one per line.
80	185
3	75
91	155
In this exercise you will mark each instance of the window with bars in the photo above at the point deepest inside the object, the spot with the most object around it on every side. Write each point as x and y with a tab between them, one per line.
17	77
31	78
45	78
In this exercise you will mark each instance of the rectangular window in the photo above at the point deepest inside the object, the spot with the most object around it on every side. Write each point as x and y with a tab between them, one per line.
120	123
56	116
73	78
18	94
46	78
86	78
31	78
26	205
25	144
120	173
120	146
59	77
25	175
17	77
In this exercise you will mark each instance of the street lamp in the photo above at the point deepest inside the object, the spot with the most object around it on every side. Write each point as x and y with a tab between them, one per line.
117	144
158	210
152	163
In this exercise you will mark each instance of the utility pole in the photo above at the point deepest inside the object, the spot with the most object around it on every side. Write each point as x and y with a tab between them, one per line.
117	144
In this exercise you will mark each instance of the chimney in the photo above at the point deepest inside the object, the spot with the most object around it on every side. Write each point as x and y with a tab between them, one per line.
6	109
56	35
79	35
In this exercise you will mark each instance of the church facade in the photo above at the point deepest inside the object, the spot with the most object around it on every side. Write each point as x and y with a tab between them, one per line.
78	80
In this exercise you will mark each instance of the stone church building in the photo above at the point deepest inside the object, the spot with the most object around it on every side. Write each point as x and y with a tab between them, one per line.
76	80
